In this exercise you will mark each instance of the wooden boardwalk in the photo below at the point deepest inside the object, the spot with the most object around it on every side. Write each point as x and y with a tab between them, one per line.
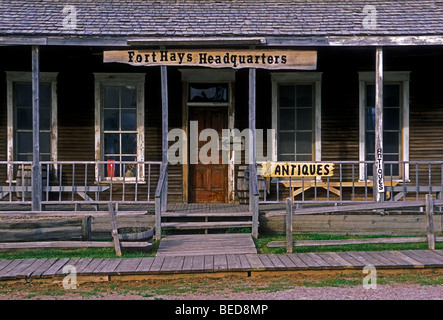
108	269
206	244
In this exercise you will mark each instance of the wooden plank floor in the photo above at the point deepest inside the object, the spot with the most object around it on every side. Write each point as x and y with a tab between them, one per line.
31	269
206	244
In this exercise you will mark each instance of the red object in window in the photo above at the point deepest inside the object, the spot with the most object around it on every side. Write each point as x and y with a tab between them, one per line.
111	168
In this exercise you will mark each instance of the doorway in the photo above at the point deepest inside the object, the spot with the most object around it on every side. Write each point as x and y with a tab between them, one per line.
208	98
208	182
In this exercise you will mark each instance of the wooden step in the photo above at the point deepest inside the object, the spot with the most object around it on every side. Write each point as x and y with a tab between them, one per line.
205	214
206	225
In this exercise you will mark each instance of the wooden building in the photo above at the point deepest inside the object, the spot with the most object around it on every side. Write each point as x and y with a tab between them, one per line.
352	59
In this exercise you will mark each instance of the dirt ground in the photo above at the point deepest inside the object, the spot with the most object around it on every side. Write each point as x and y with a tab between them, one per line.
423	286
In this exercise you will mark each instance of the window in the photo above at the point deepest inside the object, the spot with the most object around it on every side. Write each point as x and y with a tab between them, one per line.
395	121
120	117
19	116
296	116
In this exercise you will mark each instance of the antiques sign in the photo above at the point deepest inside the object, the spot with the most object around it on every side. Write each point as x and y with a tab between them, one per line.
217	58
297	169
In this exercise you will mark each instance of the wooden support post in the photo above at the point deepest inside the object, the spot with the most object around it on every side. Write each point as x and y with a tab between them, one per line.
114	232
86	228
165	118
36	172
430	221
158	219
253	198
289	242
378	167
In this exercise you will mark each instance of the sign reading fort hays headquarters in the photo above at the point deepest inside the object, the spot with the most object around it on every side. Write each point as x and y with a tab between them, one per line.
217	58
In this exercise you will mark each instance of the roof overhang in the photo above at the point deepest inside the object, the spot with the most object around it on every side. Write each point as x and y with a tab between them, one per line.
271	41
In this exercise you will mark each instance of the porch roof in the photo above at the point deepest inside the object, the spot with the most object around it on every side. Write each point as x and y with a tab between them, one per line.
280	21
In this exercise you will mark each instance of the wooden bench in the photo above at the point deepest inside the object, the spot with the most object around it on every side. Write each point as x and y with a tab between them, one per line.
298	187
405	189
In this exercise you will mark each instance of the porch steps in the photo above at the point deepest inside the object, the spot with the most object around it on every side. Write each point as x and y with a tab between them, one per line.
207	225
205	214
194	222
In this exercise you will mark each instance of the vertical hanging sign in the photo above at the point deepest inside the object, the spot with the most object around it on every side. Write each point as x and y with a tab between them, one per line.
379	169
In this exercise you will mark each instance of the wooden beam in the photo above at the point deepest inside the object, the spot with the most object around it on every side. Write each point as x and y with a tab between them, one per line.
289	241
378	168
253	198
430	222
116	240
36	172
165	118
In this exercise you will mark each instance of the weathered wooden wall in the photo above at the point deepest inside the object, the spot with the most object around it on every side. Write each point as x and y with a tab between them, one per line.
340	115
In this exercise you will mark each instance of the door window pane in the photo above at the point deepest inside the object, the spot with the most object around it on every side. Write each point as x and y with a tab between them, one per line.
208	92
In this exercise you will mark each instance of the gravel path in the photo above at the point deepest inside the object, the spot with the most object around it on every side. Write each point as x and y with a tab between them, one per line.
382	292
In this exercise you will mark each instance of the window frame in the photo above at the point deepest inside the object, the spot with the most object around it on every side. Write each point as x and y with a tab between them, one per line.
389	77
119	79
298	78
13	77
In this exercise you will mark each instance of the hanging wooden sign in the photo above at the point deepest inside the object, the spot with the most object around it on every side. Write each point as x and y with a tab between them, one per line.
217	58
297	169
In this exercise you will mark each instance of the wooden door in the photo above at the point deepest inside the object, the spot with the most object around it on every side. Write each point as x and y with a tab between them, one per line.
208	182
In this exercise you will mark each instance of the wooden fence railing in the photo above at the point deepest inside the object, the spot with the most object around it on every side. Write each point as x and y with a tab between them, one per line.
139	240
428	203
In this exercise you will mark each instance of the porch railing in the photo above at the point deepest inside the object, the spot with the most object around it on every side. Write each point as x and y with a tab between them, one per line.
353	182
81	182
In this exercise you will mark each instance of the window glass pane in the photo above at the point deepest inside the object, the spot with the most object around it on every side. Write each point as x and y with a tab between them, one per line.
306	157
304	142
391	119
24	119
45	119
286	143
45	142
111	97
287	119
129	119
111	120
370	119
112	169
129	143
370	95
24	157
370	142
112	143
287	96
208	92
45	95
286	157
304	119
129	97
304	95
391	95
24	142
23	95
390	142
395	167
130	169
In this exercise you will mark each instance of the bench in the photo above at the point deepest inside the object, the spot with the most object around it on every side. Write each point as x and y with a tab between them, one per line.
405	189
299	187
